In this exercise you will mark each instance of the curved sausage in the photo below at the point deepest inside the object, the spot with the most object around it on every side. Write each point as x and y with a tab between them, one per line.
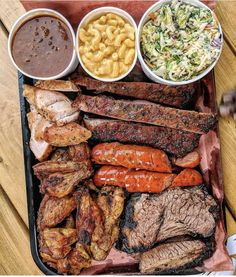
131	156
133	180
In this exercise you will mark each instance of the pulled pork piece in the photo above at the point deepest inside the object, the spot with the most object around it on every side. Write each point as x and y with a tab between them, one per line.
60	155
56	242
173	255
111	202
54	210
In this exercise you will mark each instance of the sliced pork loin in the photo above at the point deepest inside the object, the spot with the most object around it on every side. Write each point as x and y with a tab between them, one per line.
175	212
146	112
173	141
174	255
38	146
53	105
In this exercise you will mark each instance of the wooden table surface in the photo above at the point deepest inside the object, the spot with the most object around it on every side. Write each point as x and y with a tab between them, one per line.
15	256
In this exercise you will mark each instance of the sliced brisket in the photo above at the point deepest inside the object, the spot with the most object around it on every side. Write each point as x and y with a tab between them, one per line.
176	212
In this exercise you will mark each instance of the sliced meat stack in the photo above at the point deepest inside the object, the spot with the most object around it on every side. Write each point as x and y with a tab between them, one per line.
175	212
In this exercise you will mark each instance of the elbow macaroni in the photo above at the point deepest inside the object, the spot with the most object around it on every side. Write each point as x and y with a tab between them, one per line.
107	46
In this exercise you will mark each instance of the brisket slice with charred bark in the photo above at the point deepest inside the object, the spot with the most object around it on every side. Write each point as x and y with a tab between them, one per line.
179	96
175	212
146	112
172	256
173	141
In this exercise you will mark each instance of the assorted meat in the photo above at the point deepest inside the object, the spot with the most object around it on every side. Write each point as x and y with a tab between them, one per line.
130	182
146	112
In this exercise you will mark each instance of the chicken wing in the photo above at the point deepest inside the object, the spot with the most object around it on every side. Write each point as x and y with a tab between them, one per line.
52	105
54	210
69	134
80	152
56	242
44	169
111	202
61	184
38	146
60	155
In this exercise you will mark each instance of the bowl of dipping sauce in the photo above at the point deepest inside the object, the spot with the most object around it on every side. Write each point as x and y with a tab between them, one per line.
41	45
179	41
106	43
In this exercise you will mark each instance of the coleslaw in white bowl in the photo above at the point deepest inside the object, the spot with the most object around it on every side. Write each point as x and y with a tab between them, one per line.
179	41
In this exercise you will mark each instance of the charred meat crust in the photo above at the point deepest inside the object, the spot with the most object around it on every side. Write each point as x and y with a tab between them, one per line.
173	141
179	96
206	253
146	112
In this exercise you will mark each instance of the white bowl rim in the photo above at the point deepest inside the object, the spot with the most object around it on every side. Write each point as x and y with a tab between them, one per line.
123	14
140	57
50	12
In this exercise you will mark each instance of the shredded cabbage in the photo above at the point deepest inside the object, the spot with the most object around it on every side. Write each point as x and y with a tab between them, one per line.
180	41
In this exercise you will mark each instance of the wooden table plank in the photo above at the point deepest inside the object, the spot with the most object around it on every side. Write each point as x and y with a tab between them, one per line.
226	13
15	256
10	11
11	153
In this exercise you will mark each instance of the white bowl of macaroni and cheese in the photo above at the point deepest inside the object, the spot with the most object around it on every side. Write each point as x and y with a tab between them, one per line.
106	44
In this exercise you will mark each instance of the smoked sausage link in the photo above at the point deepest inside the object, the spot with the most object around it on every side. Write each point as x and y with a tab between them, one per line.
133	180
131	156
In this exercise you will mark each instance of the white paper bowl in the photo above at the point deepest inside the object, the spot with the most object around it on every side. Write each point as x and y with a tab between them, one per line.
96	13
29	15
150	74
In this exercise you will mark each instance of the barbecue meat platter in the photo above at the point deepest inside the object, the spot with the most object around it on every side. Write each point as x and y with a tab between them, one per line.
120	170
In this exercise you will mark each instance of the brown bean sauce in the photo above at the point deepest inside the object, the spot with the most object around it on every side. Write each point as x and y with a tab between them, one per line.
43	46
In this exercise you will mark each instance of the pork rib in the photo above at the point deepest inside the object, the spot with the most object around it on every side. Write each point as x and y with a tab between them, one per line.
175	142
146	112
180	96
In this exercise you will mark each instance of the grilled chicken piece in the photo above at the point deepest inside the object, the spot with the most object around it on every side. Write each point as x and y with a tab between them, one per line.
77	259
56	242
57	85
54	106
76	153
61	184
69	134
44	169
85	221
60	155
173	255
80	152
38	146
111	203
54	210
